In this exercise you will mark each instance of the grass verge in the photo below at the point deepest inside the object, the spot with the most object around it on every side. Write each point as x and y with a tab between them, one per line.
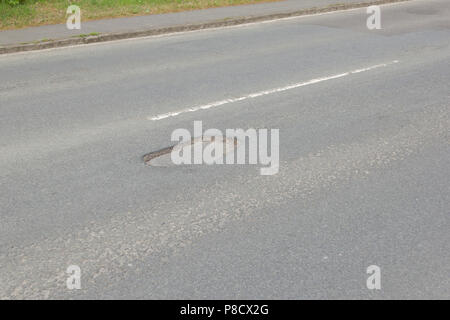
25	13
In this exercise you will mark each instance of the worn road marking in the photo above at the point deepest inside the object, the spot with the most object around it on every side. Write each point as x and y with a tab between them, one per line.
266	92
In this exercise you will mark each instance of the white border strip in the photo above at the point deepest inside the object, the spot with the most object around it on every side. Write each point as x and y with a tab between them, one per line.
266	92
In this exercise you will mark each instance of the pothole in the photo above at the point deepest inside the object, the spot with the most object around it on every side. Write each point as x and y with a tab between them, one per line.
162	157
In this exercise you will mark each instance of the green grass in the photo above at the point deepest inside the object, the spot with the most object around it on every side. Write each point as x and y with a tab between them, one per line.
39	12
84	35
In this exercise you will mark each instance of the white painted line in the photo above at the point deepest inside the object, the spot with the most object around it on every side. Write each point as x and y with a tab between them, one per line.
266	92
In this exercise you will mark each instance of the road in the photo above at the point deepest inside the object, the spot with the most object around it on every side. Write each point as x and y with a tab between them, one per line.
364	163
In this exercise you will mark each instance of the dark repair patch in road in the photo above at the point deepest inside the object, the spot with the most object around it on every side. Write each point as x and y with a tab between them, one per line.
162	157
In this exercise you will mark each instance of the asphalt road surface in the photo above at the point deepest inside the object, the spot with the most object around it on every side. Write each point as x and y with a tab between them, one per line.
364	162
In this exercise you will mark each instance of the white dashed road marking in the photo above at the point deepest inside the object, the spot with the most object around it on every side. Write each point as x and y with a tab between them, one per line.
266	92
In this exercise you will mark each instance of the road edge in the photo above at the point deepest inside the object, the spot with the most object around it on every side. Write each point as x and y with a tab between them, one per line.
183	28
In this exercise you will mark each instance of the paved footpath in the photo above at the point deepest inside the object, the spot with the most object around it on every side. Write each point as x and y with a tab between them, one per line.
149	22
